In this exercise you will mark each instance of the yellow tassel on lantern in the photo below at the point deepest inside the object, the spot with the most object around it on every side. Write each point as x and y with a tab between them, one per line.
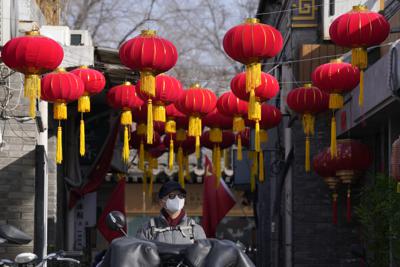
84	103
141	156
82	138
32	91
361	95
170	126
60	111
126	117
359	58
253	76
333	148
171	154
194	126
180	135
148	83
307	162
308	124
159	113
125	149
238	124
217	165
239	155
149	122
59	152
261	166
257	137
216	135
197	147
336	101
179	156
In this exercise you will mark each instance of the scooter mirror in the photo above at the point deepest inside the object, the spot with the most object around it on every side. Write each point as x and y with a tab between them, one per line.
115	220
24	258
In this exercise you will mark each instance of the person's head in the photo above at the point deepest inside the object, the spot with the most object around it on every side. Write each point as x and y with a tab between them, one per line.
172	197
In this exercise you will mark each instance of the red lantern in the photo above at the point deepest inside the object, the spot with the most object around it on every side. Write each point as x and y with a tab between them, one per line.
271	117
249	43
353	158
61	87
227	140
325	167
32	55
335	78
196	102
308	101
359	29
230	105
267	89
168	90
149	54
124	97
94	82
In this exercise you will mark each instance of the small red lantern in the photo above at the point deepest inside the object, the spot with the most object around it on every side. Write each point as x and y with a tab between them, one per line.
230	105
94	82
267	89
325	167
249	43
149	54
271	117
359	29
308	101
227	140
335	78
196	102
32	55
353	159
61	87
168	90
124	97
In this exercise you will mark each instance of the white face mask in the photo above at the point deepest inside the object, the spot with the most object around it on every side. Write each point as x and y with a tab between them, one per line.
175	205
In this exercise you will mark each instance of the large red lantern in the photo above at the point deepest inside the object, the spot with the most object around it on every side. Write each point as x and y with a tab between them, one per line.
32	55
61	87
267	89
308	101
353	159
149	54
358	30
196	102
124	97
94	82
230	105
335	78
325	167
249	43
168	90
271	117
227	140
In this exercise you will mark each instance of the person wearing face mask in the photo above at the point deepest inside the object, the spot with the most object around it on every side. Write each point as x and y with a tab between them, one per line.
172	225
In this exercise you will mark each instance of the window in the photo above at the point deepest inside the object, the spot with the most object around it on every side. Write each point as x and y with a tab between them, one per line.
76	39
331	7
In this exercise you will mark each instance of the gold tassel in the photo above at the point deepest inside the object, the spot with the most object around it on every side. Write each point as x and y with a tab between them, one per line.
239	155
159	113
253	76
361	95
257	137
252	105
180	135
179	156
336	101
149	121
82	137
217	165
84	103
187	173
261	166
238	124
141	156
60	111
308	124
59	153
333	137
197	147
307	163
359	58
171	154
125	149
170	126
194	126
216	135
148	83
32	91
126	117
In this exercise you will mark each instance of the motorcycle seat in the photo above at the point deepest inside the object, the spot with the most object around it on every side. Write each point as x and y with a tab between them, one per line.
165	248
13	235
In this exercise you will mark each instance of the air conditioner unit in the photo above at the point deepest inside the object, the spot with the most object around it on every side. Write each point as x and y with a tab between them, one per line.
334	8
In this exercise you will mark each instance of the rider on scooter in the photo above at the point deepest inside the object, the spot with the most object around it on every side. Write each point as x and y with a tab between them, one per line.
172	225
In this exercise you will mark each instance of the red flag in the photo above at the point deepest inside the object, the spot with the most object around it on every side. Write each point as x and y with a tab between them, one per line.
99	169
217	201
115	202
